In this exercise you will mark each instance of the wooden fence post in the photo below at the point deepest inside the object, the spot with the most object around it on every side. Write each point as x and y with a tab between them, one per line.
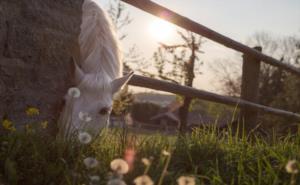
250	89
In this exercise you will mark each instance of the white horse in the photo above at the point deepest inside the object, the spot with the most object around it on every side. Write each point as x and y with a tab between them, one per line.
97	75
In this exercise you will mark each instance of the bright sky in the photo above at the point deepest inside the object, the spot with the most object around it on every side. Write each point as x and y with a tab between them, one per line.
237	19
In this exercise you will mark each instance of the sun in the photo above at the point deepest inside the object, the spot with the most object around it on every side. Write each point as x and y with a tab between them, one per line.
161	30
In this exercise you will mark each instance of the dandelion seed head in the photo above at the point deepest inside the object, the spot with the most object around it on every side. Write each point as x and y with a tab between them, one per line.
84	137
186	180
90	162
146	161
116	182
94	179
120	166
166	153
292	167
84	116
74	92
143	180
297	52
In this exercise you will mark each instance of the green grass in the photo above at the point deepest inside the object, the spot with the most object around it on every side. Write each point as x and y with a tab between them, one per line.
211	156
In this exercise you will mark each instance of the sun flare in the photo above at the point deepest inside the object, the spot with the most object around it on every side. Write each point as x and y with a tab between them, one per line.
161	30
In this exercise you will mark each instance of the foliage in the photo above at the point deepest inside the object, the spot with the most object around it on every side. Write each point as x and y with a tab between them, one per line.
277	87
211	156
123	102
144	111
285	49
121	18
179	63
212	109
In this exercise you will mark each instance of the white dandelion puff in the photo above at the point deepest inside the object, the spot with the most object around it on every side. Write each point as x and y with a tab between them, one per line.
94	179
186	180
116	182
84	116
143	180
90	162
74	92
84	137
297	53
292	167
166	153
146	161
120	166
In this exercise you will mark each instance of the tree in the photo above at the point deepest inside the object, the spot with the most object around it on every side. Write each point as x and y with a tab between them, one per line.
121	18
123	102
277	87
144	111
179	63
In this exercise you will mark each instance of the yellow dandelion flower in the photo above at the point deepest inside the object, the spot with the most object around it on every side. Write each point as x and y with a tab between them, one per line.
13	129
28	128
32	111
8	125
44	124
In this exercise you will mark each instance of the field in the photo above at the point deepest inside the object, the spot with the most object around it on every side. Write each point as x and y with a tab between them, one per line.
208	155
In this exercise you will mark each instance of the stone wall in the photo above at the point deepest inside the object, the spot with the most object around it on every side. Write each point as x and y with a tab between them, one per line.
36	42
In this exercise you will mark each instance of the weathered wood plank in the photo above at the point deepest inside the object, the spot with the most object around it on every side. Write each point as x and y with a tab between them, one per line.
173	17
250	89
160	85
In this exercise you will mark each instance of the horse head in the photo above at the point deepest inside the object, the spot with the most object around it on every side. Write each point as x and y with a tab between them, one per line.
88	105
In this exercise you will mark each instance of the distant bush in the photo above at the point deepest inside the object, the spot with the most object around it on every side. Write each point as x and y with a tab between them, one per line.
144	111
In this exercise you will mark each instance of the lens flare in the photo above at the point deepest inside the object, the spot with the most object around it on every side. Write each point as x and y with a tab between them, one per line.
161	30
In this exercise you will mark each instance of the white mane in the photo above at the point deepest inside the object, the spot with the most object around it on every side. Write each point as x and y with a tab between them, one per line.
99	48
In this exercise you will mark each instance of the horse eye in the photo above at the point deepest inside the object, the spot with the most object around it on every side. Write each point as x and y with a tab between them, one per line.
104	111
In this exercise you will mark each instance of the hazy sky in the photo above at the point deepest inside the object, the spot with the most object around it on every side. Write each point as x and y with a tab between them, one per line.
238	19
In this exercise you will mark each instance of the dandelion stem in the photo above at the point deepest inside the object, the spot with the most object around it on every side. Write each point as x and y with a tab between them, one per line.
147	169
293	179
164	172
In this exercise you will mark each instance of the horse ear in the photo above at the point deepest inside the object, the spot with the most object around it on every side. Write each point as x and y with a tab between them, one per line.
79	74
118	83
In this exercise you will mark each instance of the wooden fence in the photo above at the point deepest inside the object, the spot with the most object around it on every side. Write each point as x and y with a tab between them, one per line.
252	57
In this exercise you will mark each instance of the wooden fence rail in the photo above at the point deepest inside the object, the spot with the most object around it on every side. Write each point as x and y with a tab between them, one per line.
181	21
160	85
251	68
